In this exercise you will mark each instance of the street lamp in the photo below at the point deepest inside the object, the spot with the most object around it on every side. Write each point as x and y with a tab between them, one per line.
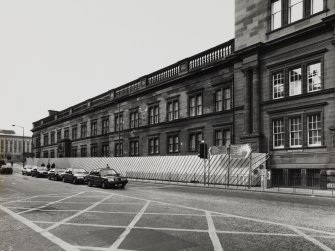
22	143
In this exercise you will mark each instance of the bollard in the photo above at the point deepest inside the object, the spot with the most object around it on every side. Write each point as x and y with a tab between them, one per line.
278	183
312	185
263	182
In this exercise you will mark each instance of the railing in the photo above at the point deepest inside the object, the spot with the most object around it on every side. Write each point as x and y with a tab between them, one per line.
164	74
202	59
217	53
303	181
130	88
79	108
100	100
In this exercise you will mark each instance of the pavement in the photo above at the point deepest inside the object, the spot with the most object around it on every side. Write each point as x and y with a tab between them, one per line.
154	216
281	190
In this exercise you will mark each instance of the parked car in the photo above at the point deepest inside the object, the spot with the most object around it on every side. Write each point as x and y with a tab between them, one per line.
75	175
2	162
24	170
106	178
28	169
6	169
39	171
56	174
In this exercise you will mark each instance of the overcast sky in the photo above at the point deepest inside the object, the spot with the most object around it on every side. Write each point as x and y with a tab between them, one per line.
55	54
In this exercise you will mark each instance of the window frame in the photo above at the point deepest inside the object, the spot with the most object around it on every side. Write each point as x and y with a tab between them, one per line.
155	146
173	143
104	125
134	147
173	113
195	135
320	130
94	128
282	119
197	108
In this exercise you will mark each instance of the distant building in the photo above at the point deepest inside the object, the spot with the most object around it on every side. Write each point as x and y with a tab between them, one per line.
272	87
11	145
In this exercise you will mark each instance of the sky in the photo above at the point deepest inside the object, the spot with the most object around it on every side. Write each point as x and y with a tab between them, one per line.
55	54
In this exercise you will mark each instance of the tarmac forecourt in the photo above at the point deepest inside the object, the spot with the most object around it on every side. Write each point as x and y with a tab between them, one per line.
104	220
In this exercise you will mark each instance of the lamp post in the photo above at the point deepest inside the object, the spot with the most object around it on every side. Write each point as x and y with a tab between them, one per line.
22	143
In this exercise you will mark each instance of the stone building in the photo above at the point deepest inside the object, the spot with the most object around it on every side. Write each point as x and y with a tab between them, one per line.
11	145
271	86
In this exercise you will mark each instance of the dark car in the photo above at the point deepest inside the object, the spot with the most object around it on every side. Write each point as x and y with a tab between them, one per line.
6	169
106	178
56	174
2	162
39	171
75	175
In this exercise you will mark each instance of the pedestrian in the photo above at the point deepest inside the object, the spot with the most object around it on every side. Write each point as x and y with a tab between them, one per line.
11	163
107	166
53	166
48	166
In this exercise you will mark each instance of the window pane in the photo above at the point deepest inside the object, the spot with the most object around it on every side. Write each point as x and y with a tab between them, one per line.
276	14
278	133
314	130
316	6
199	105
295	82
218	100
278	85
295	132
314	77
295	10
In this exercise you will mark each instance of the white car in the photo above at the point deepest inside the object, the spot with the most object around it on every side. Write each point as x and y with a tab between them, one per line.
28	169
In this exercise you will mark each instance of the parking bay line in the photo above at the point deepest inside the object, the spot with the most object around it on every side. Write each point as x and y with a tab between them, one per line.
79	213
120	239
212	233
50	203
322	246
59	242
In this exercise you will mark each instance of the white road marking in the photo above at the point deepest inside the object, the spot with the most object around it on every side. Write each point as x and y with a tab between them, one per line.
50	203
10	190
119	240
311	239
79	213
212	233
228	215
59	242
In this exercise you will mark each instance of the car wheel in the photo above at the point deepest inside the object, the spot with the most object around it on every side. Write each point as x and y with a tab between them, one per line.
74	181
89	183
49	178
122	186
64	179
103	185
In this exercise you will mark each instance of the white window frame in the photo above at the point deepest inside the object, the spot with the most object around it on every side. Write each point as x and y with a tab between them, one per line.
295	5
295	128
314	77
314	126
278	132
295	81
276	14
278	85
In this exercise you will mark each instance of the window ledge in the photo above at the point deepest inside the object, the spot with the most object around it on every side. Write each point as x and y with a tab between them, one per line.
298	149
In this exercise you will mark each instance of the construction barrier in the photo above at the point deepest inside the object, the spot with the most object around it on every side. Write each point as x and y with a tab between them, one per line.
219	169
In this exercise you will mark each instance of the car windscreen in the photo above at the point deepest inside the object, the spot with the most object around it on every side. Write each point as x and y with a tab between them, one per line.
79	171
107	172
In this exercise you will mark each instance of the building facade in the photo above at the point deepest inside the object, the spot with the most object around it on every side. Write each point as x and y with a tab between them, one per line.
272	87
11	145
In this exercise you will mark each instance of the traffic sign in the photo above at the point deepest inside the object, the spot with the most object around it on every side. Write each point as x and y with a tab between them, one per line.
241	151
218	150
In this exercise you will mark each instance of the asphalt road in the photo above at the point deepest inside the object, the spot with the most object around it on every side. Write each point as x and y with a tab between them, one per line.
38	214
